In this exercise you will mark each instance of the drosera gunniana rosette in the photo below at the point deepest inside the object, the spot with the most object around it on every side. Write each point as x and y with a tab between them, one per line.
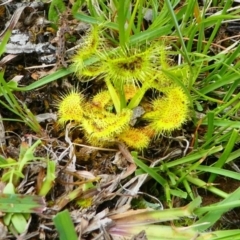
169	112
105	126
91	45
128	73
70	107
135	138
129	66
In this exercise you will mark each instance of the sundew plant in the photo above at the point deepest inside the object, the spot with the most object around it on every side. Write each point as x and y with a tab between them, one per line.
128	71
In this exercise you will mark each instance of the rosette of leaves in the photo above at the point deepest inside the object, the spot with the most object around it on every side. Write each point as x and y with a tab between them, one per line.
100	124
169	112
128	73
91	45
70	107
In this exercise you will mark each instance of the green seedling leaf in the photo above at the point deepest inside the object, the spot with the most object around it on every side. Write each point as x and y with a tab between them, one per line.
64	226
11	85
63	200
76	6
3	161
19	222
7	176
7	219
26	153
49	180
10	162
18	203
85	202
9	189
56	7
18	174
23	148
4	42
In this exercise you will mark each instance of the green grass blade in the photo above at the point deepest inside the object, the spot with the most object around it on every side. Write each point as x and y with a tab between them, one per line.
114	95
48	182
4	42
225	80
229	60
149	170
224	123
210	125
228	149
200	183
188	188
222	206
219	171
93	20
217	25
18	203
224	235
212	216
56	7
193	157
122	18
234	155
175	21
150	34
45	80
64	226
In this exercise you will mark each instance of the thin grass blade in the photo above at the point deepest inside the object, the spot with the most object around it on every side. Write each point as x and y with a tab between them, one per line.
64	226
18	203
